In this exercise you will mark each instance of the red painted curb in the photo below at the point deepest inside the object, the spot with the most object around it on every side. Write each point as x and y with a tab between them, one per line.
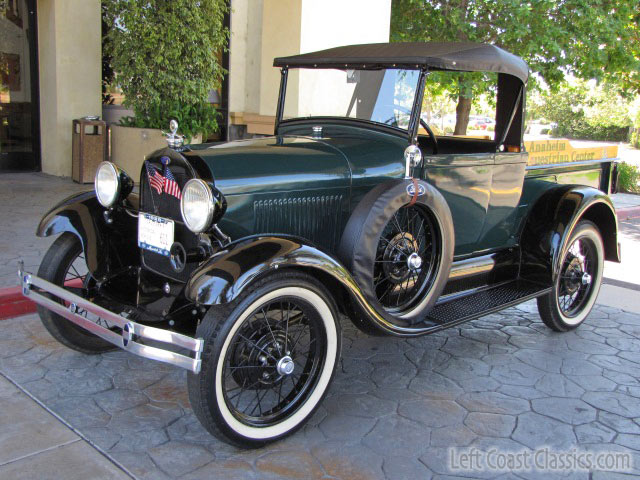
627	213
14	304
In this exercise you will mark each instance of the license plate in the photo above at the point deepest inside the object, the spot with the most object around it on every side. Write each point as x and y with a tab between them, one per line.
155	233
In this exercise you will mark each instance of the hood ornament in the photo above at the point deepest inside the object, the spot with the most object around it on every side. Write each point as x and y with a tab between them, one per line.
173	139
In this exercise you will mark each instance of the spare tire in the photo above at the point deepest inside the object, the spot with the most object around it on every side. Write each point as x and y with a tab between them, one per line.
398	245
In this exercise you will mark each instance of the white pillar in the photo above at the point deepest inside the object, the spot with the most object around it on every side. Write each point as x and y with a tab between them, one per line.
70	58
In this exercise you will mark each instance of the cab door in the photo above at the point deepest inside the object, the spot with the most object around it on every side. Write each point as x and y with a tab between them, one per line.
502	216
465	182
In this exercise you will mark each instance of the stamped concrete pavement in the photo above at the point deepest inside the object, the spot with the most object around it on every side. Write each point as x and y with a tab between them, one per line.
35	444
394	409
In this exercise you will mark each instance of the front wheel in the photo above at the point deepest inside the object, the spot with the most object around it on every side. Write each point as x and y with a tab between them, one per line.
64	265
268	360
578	281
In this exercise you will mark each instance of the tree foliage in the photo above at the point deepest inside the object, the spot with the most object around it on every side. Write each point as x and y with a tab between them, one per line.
166	58
586	111
585	38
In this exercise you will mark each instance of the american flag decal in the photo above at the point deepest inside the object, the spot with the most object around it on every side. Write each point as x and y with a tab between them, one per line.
156	180
170	184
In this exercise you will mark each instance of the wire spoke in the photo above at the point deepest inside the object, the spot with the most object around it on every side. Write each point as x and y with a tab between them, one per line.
275	342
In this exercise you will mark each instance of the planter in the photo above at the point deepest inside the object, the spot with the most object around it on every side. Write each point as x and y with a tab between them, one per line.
113	113
130	146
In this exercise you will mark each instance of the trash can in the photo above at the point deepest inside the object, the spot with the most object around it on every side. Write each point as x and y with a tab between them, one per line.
90	147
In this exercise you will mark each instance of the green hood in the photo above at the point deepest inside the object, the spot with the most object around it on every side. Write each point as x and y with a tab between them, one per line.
272	164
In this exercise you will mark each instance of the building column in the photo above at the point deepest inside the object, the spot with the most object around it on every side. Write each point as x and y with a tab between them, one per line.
70	58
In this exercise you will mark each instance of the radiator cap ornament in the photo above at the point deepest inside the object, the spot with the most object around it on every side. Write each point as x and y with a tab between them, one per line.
173	139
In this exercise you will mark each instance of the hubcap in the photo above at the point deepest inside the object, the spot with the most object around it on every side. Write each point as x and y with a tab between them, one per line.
414	262
285	366
396	257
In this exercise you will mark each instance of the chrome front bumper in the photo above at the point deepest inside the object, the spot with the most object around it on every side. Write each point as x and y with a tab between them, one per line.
131	332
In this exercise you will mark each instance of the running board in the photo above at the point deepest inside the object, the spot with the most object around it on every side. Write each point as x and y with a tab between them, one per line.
475	305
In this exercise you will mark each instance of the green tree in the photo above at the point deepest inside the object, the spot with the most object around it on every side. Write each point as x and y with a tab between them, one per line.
166	58
586	111
586	38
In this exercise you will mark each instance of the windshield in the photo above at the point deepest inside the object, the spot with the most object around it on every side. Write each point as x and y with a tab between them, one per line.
382	96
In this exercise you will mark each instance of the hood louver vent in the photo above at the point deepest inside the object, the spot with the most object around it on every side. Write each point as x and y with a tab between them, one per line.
314	218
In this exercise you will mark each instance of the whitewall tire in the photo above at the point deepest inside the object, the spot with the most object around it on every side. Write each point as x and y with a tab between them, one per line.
268	364
578	281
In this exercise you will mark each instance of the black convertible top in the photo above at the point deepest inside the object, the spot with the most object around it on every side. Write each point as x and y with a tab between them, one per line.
458	56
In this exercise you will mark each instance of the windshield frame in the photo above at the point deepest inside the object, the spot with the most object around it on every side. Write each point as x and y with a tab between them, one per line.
411	132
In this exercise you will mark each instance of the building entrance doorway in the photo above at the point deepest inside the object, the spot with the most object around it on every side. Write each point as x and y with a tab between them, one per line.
19	119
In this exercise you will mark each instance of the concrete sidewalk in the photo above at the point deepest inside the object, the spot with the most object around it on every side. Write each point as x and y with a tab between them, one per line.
627	205
36	444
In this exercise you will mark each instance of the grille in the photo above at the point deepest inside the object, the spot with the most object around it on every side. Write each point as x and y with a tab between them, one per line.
314	218
167	206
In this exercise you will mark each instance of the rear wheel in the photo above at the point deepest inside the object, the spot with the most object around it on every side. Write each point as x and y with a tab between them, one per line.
64	265
578	281
267	362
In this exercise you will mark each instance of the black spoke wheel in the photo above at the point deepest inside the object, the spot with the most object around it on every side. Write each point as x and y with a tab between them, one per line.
273	362
577	282
64	265
398	246
576	274
268	360
406	259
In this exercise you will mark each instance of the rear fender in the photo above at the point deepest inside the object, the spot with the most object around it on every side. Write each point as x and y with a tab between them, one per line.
106	246
551	221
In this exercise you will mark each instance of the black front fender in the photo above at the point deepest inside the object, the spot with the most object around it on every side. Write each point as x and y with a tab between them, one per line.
105	246
551	221
225	275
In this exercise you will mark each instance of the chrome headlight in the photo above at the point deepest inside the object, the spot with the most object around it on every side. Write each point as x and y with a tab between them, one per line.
197	205
107	184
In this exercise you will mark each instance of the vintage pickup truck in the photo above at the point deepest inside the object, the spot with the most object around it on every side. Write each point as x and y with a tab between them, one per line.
236	260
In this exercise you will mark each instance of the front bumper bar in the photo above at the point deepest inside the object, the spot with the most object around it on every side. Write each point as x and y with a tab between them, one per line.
131	333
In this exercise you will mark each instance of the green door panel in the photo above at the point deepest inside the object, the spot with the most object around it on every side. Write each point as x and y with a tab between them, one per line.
506	190
465	182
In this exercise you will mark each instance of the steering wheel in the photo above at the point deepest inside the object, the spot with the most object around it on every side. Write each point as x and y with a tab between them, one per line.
431	134
422	122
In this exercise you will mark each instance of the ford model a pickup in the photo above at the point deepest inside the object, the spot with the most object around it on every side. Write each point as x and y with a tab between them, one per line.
235	261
